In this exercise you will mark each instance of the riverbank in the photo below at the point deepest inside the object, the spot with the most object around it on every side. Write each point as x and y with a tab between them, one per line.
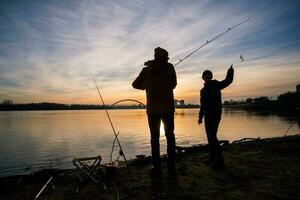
260	169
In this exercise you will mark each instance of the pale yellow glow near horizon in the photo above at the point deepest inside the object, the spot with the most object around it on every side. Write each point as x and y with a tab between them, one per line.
251	80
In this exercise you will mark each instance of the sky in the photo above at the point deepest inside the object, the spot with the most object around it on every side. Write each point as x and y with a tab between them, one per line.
49	49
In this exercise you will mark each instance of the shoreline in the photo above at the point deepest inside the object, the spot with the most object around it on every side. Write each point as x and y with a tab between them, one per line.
108	107
259	169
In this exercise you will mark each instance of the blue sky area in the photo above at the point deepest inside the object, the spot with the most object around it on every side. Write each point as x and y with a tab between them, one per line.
49	48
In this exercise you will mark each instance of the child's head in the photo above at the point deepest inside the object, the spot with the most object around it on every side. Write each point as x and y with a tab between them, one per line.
207	75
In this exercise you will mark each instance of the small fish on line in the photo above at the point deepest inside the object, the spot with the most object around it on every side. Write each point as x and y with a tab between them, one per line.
241	57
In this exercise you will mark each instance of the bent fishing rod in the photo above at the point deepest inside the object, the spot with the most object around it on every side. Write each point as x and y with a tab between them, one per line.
209	41
111	124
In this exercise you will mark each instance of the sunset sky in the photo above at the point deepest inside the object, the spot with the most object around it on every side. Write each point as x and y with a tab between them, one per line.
48	49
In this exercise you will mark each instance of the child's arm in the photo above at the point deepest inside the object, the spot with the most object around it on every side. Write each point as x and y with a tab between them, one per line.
228	80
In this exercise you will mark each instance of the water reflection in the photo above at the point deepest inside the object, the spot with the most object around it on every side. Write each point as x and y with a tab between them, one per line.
30	140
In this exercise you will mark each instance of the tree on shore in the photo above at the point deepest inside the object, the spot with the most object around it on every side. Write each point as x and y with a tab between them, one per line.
7	102
289	96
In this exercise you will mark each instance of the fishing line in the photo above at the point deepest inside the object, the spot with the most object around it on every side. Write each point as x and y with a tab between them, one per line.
242	49
287	130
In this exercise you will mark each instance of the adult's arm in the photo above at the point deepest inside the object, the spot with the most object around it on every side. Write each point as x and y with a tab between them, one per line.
202	111
173	77
139	82
228	80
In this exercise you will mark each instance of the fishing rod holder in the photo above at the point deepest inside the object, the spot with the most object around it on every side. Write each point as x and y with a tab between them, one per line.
110	170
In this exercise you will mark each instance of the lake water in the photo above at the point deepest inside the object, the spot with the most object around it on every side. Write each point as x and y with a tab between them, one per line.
33	140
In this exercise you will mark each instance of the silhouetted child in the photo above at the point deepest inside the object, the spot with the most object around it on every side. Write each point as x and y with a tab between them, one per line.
211	110
158	78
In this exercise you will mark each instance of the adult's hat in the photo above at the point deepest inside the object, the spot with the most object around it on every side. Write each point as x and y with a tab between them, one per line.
160	53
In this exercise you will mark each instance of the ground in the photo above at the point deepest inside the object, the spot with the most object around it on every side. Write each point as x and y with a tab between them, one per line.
264	169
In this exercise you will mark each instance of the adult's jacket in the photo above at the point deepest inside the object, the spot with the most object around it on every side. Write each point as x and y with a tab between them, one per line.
158	79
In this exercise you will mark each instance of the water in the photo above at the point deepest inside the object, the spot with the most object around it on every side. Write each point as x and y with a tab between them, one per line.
32	140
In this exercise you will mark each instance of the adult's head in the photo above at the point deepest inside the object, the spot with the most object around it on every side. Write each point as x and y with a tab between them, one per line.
207	75
161	54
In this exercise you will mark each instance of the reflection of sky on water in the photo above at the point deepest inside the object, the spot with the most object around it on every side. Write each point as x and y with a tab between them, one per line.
37	139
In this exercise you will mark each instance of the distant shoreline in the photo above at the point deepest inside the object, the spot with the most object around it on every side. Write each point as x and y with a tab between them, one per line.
264	105
56	106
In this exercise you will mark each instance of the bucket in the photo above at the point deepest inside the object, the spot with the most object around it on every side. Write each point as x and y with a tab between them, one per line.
110	171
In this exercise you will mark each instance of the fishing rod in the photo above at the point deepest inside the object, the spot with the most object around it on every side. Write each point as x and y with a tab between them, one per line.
209	41
111	124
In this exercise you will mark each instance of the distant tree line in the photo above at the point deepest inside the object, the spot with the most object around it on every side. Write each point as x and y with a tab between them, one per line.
285	102
289	96
285	97
247	101
9	105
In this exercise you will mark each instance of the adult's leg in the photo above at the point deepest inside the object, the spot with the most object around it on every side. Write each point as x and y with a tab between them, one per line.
168	120
154	125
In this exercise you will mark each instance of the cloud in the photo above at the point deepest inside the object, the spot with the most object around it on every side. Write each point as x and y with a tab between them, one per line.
49	49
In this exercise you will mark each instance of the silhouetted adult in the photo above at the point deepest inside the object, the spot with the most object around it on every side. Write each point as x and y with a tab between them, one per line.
158	78
211	110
